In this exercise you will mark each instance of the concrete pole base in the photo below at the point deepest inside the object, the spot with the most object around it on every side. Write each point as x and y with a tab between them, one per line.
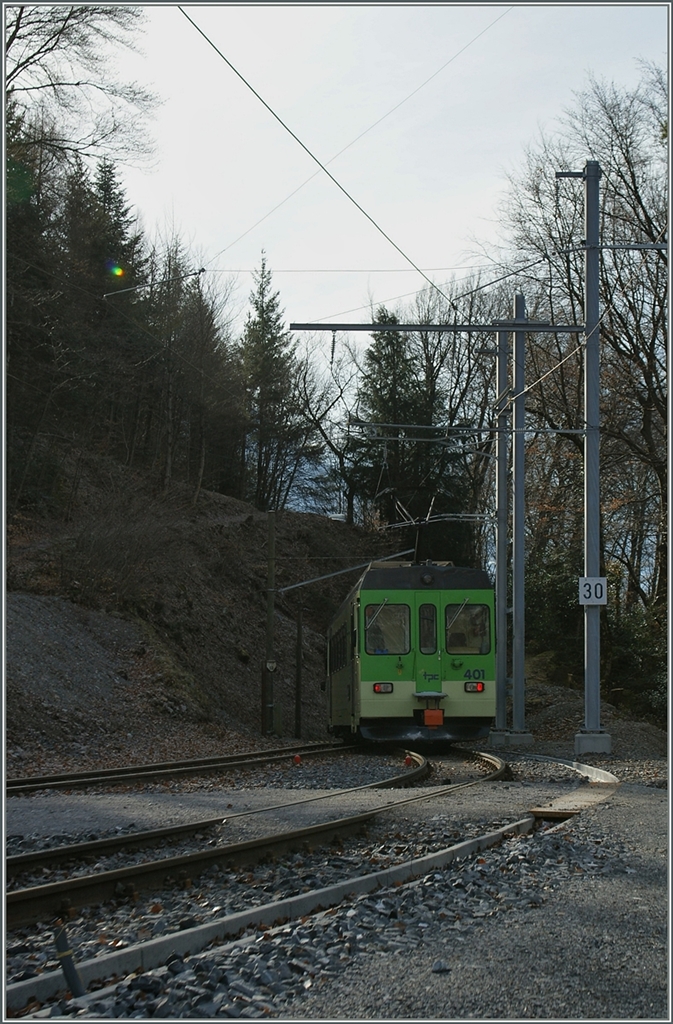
593	743
509	738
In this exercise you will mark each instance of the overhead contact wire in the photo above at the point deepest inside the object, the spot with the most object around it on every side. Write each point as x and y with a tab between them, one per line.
317	161
362	134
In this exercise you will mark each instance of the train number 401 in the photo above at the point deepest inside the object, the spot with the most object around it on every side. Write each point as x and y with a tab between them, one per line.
475	673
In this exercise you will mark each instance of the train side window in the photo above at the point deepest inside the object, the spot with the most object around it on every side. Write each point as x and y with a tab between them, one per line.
338	650
387	629
468	629
427	628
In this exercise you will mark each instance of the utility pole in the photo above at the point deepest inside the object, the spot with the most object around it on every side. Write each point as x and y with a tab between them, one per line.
502	522
592	587
592	738
298	676
518	531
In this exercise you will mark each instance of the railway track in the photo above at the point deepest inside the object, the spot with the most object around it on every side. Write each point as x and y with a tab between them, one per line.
249	902
33	903
166	769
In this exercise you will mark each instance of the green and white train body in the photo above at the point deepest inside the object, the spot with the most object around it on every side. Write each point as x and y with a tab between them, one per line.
411	655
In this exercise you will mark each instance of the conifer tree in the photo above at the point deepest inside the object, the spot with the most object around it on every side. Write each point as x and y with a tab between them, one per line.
406	468
277	432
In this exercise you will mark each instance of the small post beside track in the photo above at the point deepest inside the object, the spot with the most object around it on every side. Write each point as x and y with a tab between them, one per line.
269	658
298	679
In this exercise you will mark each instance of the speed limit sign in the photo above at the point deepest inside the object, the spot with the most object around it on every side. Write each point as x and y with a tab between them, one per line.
593	590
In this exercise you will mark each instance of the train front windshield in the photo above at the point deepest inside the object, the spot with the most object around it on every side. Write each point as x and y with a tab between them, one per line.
468	629
387	629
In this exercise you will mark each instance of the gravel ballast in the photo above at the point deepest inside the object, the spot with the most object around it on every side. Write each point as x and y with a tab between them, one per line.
568	923
593	947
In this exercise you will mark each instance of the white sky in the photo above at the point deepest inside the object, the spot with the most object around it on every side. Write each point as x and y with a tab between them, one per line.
431	174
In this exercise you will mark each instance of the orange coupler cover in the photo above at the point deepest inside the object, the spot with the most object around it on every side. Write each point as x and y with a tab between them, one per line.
433	717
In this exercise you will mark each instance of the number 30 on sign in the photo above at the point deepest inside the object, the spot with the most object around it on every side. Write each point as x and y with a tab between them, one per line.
593	590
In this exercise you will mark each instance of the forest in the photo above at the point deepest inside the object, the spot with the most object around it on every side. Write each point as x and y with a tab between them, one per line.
120	347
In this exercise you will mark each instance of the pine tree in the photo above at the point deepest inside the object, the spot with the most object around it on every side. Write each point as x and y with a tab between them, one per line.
277	434
406	469
121	246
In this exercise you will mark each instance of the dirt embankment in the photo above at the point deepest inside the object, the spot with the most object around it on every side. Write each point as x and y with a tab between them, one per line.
136	629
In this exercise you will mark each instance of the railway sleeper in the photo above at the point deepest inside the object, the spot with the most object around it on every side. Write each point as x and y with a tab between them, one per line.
27	906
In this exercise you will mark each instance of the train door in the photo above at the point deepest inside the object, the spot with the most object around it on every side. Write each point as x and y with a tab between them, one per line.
354	663
428	653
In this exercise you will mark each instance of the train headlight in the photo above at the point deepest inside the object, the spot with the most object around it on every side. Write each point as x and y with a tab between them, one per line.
475	687
383	687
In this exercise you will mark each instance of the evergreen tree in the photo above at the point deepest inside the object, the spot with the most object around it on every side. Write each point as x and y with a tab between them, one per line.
277	431
407	469
121	246
390	396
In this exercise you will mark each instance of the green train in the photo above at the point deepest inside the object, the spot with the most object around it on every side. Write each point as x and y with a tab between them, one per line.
411	655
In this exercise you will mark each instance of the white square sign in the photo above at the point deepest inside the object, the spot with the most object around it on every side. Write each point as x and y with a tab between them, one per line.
593	590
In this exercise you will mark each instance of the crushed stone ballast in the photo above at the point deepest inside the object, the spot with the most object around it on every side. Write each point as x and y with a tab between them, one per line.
192	940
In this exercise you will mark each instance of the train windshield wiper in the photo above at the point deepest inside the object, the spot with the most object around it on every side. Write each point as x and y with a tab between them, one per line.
376	613
449	624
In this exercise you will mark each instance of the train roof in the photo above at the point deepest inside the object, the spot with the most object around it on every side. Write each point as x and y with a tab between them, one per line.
409	576
423	576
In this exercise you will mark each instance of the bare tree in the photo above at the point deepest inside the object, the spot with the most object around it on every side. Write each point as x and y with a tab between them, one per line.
58	78
625	131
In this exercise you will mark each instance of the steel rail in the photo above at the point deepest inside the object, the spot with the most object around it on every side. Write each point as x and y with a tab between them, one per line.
195	766
16	864
271	917
25	906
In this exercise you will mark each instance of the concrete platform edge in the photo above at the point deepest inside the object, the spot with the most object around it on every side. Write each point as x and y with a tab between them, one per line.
595	774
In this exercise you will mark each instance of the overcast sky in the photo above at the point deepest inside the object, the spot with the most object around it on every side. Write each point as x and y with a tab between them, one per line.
430	174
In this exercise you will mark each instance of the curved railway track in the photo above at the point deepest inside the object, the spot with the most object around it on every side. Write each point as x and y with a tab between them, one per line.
33	903
280	915
166	769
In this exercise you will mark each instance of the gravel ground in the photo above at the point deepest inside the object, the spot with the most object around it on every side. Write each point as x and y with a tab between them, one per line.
553	926
222	892
593	945
87	690
566	924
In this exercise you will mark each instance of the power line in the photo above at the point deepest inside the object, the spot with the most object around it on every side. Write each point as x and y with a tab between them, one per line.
317	161
361	135
608	307
172	280
336	270
341	572
417	291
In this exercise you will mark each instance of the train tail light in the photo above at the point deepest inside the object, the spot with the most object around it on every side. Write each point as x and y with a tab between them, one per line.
475	687
383	687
